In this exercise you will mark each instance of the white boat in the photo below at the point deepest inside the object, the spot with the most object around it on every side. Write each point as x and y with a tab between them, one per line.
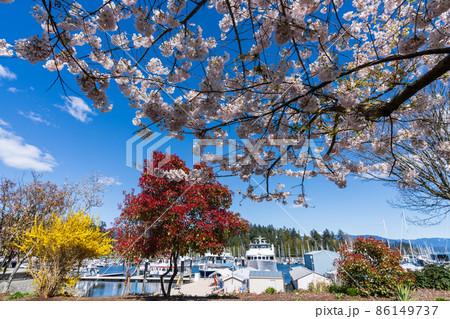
261	255
159	267
211	263
411	266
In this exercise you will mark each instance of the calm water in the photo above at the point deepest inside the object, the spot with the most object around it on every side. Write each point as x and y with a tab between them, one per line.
108	289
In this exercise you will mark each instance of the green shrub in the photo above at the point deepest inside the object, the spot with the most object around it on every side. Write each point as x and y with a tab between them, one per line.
270	290
371	268
405	293
337	288
441	299
433	277
351	291
19	295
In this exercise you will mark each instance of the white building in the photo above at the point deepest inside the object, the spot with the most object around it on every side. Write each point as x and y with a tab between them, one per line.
235	283
259	281
301	277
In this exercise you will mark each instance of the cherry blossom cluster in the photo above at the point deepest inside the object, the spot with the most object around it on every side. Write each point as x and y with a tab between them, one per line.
5	48
176	175
262	71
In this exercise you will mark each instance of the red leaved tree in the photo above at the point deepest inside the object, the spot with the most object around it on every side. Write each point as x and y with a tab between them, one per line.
175	214
372	268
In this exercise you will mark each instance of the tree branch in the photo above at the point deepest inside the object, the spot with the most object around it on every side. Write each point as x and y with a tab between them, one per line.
386	109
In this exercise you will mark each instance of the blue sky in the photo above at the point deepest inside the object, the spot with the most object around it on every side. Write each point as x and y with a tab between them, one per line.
41	128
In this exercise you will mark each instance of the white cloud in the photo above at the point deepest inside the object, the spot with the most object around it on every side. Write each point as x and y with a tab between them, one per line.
6	73
76	107
109	181
14	152
13	90
3	123
34	117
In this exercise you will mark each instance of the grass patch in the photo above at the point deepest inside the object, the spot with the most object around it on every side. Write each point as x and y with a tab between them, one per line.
339	295
19	295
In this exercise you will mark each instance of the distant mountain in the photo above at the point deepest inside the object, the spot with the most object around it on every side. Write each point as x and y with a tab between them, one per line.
438	244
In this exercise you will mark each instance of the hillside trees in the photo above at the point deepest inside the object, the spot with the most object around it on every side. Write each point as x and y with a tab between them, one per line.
174	214
288	242
274	75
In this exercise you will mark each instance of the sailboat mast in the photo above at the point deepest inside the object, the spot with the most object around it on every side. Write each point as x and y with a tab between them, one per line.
385	231
407	233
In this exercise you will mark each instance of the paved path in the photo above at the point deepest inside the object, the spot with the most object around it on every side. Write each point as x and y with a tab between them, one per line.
202	287
18	286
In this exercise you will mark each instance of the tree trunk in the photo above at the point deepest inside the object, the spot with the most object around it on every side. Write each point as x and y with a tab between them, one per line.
129	285
161	278
175	271
124	286
125	282
145	278
11	277
6	263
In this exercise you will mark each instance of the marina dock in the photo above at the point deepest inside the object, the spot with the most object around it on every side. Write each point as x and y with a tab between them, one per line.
120	277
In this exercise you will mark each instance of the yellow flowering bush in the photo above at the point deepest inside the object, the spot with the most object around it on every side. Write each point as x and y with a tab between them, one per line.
58	245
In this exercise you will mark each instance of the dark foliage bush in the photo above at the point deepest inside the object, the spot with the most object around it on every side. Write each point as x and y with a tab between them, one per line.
337	288
433	277
351	291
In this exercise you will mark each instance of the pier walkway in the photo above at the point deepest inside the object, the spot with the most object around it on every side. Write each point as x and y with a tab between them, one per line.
119	277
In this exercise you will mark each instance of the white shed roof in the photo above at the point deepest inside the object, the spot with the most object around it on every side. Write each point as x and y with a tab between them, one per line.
300	272
235	276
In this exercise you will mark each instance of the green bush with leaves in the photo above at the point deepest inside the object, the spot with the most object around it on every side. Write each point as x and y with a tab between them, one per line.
441	299
270	290
336	288
351	291
433	277
371	268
